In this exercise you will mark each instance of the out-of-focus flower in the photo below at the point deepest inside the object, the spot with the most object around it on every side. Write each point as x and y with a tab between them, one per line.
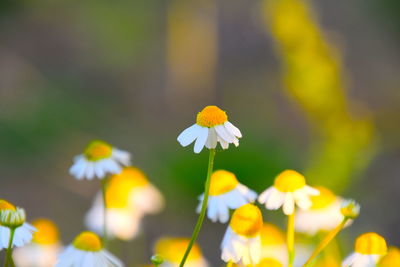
369	248
350	209
212	126
289	189
324	214
225	193
269	262
273	243
98	160
12	217
242	240
43	250
87	250
129	196
391	259
171	249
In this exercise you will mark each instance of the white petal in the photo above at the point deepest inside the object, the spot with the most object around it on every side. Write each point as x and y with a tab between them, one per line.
288	205
201	139
232	129
189	135
212	139
224	134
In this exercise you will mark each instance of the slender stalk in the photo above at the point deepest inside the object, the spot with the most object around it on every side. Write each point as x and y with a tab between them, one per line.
290	239
203	207
9	260
104	183
325	242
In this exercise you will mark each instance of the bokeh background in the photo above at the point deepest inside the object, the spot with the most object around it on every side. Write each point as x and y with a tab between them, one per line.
313	85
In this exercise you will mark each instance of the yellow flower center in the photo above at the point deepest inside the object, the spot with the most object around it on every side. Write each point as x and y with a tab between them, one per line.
5	205
289	181
120	186
271	235
47	232
391	259
371	244
211	116
269	262
98	150
222	182
172	249
247	220
323	200
87	241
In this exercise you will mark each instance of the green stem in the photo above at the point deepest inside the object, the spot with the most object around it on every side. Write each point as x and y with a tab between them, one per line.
290	239
203	207
9	260
104	182
325	242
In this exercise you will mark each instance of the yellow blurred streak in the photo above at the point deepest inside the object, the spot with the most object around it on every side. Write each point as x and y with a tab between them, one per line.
313	75
192	47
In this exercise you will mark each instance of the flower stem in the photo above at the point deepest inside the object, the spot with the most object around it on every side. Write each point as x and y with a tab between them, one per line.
9	260
203	207
104	183
290	239
325	242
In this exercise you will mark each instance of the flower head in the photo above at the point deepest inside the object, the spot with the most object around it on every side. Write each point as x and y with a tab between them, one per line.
269	262
87	250
98	160
242	240
350	209
289	188
225	193
47	232
212	126
391	259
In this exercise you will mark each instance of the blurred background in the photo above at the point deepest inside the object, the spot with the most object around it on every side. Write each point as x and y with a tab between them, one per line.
313	86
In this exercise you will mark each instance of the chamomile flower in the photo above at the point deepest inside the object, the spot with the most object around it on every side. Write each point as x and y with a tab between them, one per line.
369	249
289	189
273	243
323	215
242	240
43	250
212	126
12	217
172	249
98	160
129	196
225	193
391	259
87	250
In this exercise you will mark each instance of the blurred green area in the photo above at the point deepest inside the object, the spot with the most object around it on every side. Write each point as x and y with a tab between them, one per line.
72	72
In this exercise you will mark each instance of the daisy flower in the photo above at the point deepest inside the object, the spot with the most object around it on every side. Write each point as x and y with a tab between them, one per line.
369	248
172	249
323	215
273	243
43	250
212	126
87	250
289	189
12	217
225	193
129	196
242	240
391	259
98	160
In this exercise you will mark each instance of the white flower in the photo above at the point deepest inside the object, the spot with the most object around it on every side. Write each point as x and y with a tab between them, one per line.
288	190
12	217
324	214
273	243
225	193
99	160
212	126
87	251
242	240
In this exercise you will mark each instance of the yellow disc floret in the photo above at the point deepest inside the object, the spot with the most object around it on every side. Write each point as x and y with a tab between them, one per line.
271	235
247	220
323	200
121	185
222	182
98	150
391	259
172	249
88	241
47	232
269	262
211	116
5	205
289	181
370	244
